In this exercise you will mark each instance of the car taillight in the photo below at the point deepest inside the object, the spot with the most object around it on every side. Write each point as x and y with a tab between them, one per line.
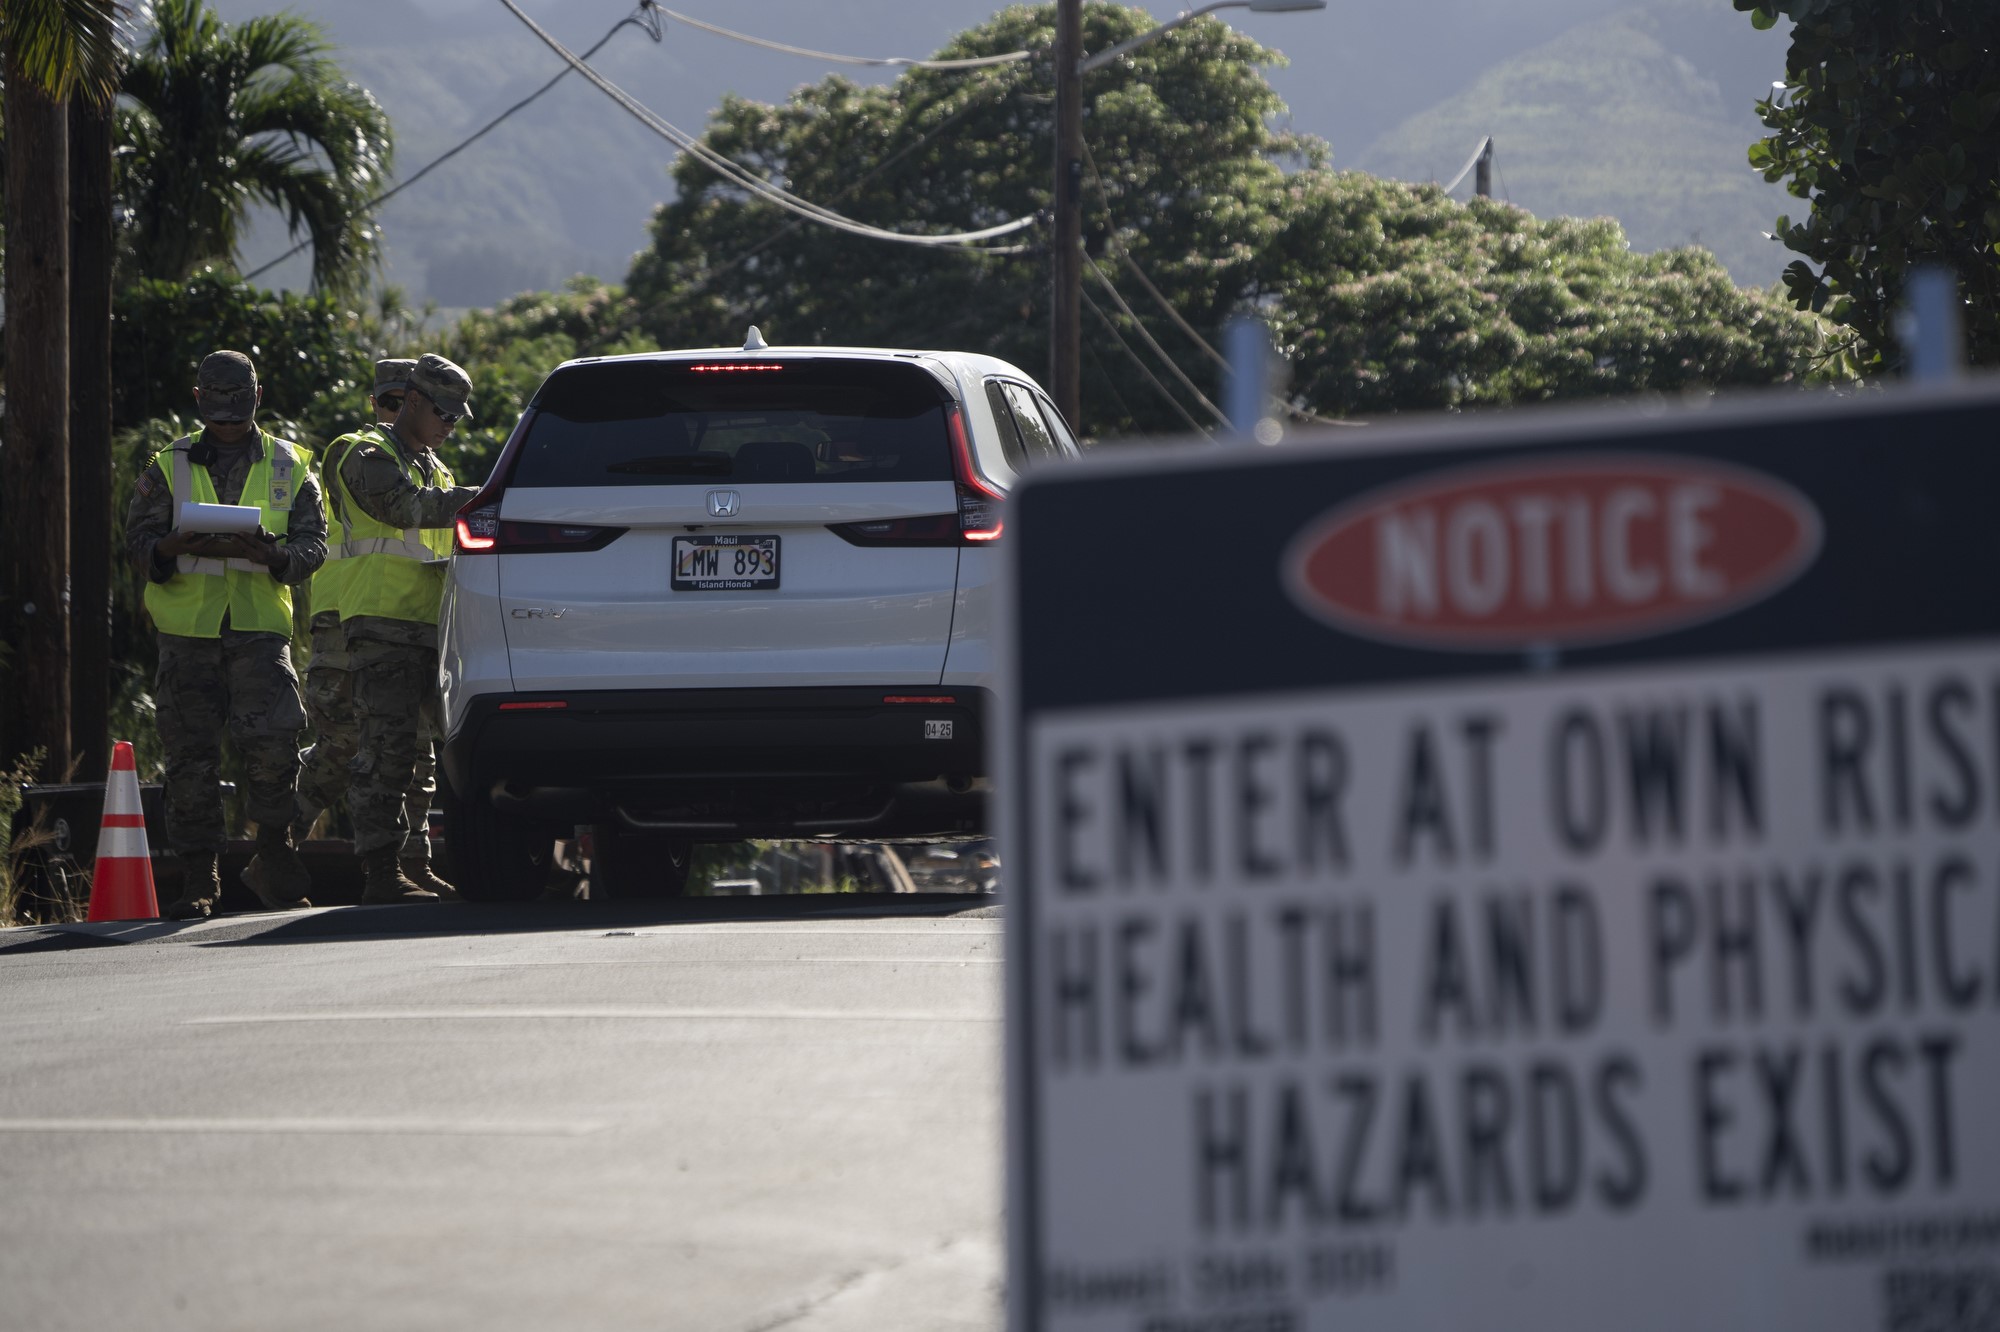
479	529
482	531
979	502
977	520
938	529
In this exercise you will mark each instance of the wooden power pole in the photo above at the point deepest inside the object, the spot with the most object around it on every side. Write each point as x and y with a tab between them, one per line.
1066	240
34	527
92	468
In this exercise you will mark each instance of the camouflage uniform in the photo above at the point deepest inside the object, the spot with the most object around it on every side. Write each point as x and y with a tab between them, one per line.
323	771
329	691
240	683
395	662
329	695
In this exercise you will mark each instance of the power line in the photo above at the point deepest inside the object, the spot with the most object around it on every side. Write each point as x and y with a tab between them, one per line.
1111	237
1470	163
976	62
1110	384
742	176
1172	313
1220	416
972	104
1151	378
643	17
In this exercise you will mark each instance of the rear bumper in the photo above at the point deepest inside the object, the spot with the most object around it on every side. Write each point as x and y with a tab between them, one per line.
723	764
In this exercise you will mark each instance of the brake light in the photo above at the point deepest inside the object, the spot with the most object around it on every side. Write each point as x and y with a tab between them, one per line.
976	520
482	531
979	502
479	529
534	705
727	369
478	524
938	529
918	698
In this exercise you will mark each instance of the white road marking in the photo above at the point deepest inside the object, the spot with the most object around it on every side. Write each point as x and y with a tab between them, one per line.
594	1014
729	961
452	1127
677	931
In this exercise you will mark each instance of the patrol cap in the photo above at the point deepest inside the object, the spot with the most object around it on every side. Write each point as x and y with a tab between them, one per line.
226	387
443	383
392	376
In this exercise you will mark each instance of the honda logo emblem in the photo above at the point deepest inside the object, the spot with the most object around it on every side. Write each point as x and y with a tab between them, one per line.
722	503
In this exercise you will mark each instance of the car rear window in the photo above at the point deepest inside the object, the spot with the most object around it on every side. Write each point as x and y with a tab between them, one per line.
655	423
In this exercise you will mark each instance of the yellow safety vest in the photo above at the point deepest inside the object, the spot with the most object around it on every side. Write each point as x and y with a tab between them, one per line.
392	573
192	604
332	579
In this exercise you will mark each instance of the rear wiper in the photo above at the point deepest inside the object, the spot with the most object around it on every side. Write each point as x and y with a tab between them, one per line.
675	464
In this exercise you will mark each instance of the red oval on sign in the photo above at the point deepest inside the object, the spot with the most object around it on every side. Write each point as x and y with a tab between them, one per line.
1553	552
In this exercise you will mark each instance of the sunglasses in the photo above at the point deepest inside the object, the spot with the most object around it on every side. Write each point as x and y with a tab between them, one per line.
449	418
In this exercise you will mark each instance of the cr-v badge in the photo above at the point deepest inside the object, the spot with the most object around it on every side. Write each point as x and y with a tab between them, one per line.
722	503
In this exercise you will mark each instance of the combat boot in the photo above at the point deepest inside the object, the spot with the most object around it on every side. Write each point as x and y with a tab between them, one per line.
383	882
201	888
275	873
417	869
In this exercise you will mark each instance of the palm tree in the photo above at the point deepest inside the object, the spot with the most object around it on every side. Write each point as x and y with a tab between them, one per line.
215	118
54	51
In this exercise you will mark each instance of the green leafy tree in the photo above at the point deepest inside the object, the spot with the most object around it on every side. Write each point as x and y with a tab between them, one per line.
1188	170
510	350
1387	296
216	118
314	353
52	52
1392	297
66	48
1888	122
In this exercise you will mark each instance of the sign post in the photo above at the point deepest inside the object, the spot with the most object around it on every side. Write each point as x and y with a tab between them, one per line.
1540	874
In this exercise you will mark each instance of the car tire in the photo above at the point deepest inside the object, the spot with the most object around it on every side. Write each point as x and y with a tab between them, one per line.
629	866
495	857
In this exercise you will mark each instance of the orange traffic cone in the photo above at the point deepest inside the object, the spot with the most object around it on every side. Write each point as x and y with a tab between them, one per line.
121	887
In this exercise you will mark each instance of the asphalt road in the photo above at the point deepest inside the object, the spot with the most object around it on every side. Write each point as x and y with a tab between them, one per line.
723	1116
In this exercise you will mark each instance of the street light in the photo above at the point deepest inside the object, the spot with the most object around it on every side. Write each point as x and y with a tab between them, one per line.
1066	255
1111	53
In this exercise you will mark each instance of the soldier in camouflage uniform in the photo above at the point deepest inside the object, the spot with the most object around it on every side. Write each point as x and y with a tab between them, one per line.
329	684
222	606
399	504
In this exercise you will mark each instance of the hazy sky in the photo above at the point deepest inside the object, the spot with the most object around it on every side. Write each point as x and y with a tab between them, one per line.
1358	69
1358	66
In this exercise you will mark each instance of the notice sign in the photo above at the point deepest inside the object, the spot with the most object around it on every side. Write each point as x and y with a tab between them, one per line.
1540	876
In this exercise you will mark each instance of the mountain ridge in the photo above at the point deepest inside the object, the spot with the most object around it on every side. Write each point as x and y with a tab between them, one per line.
569	185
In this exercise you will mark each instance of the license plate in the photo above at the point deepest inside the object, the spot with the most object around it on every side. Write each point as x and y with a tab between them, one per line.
725	563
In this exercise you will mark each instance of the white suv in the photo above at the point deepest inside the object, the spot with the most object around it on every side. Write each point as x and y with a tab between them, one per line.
710	595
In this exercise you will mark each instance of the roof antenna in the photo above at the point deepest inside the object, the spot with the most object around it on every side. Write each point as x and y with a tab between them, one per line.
755	342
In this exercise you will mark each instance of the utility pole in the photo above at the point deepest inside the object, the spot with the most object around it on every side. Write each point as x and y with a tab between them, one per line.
1066	240
34	528
1482	175
91	466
